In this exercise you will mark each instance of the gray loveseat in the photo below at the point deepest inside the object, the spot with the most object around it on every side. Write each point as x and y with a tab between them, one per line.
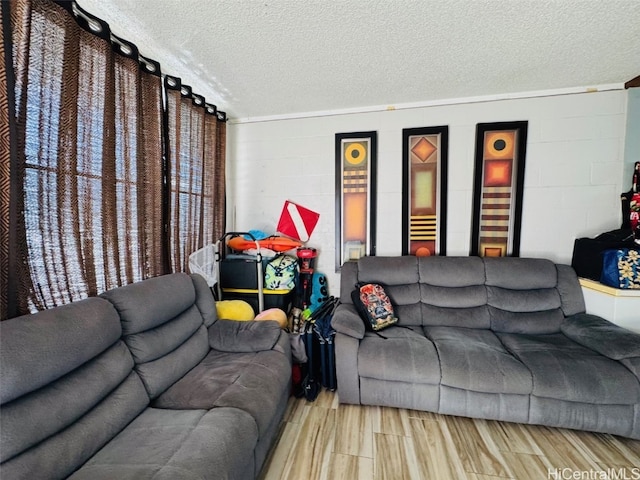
495	338
142	382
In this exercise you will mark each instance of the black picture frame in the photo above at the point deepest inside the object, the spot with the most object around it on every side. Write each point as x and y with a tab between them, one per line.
486	133
440	214
357	181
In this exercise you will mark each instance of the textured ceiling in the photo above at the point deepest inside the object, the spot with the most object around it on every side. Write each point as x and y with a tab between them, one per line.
281	57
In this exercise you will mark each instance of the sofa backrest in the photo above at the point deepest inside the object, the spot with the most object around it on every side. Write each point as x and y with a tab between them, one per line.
516	295
68	387
523	296
400	277
164	323
453	292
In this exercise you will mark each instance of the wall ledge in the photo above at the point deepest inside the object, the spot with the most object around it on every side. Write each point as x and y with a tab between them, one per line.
614	292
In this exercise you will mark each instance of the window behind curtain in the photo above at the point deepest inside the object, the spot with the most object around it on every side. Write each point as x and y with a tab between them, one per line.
93	204
90	144
195	157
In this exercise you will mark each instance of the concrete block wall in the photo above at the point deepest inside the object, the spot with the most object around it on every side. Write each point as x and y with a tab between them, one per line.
573	175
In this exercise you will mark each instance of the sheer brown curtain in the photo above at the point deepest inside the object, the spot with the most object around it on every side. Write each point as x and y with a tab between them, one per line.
196	135
220	162
5	175
88	116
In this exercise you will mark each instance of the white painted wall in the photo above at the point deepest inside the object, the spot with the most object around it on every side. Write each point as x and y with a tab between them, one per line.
632	141
573	174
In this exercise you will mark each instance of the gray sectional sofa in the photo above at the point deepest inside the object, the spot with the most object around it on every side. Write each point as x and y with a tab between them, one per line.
495	338
142	382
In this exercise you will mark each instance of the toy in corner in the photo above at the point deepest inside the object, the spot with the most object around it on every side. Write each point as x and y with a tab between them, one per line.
306	261
634	204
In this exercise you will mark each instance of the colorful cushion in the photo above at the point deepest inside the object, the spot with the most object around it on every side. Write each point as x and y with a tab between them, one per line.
234	310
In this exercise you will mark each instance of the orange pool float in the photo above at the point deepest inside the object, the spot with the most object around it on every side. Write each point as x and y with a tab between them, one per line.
277	244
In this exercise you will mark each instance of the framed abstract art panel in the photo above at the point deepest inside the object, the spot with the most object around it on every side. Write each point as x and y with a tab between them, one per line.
355	189
498	188
424	190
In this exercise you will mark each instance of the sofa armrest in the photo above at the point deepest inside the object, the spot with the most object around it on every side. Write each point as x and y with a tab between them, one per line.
236	337
347	321
604	337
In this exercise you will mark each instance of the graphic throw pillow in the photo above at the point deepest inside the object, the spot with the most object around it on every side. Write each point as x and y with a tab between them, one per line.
374	306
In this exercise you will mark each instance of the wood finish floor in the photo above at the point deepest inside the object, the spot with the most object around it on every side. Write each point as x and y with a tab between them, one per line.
328	441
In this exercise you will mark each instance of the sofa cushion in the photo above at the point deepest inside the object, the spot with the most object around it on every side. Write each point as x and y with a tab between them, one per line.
564	370
348	280
148	304
399	276
452	292
178	445
570	291
633	364
69	387
439	307
520	273
406	355
154	343
536	322
475	359
454	297
59	455
524	301
451	271
403	295
204	300
410	315
388	270
224	379
522	295
38	349
50	409
164	326
243	337
347	321
158	375
602	336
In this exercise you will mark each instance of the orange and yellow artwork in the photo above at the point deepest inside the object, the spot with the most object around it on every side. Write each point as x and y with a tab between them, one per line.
355	172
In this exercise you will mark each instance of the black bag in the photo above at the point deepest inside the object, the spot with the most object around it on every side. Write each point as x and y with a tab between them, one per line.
311	370
374	306
587	252
325	335
318	336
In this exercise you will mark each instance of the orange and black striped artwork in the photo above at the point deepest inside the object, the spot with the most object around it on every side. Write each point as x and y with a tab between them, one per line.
499	179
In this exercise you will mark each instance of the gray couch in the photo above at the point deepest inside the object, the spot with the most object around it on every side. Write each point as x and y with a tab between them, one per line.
495	338
142	382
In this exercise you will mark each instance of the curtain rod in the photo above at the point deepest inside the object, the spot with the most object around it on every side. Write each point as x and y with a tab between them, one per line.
128	49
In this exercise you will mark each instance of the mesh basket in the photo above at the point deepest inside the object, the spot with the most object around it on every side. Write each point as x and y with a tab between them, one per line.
204	262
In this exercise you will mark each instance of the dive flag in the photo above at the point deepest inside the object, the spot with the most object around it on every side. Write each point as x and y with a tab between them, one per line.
297	221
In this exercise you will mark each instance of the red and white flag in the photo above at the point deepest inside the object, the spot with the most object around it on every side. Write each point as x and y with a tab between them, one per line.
297	221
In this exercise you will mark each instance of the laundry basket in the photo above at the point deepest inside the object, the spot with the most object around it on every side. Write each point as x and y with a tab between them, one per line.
204	262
